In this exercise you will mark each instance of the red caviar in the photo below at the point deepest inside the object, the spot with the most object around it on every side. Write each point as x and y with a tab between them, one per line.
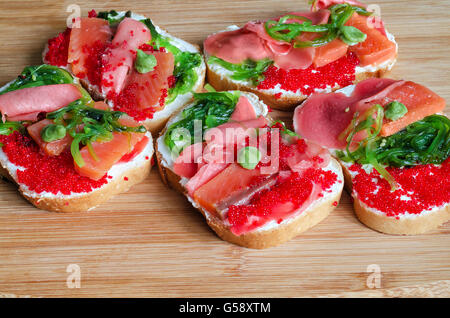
280	201
127	102
171	80
43	173
94	62
420	188
58	49
92	14
163	97
340	72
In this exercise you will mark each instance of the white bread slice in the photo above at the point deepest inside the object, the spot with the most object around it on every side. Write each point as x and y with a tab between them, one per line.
155	124
124	176
219	78
406	224
271	234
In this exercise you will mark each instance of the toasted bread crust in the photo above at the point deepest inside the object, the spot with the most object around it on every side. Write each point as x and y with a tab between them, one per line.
261	238
404	225
284	103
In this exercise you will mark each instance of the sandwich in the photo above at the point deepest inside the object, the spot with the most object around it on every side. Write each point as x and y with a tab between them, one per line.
256	183
132	64
393	143
286	59
65	151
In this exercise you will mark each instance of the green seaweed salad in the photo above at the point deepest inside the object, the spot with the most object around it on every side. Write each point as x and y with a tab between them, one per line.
426	141
210	109
185	62
98	125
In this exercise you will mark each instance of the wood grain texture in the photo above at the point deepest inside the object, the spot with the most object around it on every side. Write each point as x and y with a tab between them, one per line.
150	242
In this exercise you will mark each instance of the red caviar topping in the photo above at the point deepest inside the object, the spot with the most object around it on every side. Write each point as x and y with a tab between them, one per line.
420	188
171	80
43	173
289	194
94	62
163	97
282	199
58	49
146	47
127	102
340	72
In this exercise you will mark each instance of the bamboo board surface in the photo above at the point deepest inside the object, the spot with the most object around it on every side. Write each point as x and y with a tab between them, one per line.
151	242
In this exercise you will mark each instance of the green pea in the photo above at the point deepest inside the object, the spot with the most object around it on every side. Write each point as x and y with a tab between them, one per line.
144	62
395	110
53	132
249	157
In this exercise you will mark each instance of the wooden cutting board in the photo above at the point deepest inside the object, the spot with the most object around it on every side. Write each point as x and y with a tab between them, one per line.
151	242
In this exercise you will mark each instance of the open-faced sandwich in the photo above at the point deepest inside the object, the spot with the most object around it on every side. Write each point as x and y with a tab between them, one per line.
256	183
286	59
394	147
63	150
134	65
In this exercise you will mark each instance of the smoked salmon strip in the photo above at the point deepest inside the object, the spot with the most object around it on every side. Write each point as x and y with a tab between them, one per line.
230	181
108	153
56	147
148	87
130	35
330	52
376	49
91	31
419	100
